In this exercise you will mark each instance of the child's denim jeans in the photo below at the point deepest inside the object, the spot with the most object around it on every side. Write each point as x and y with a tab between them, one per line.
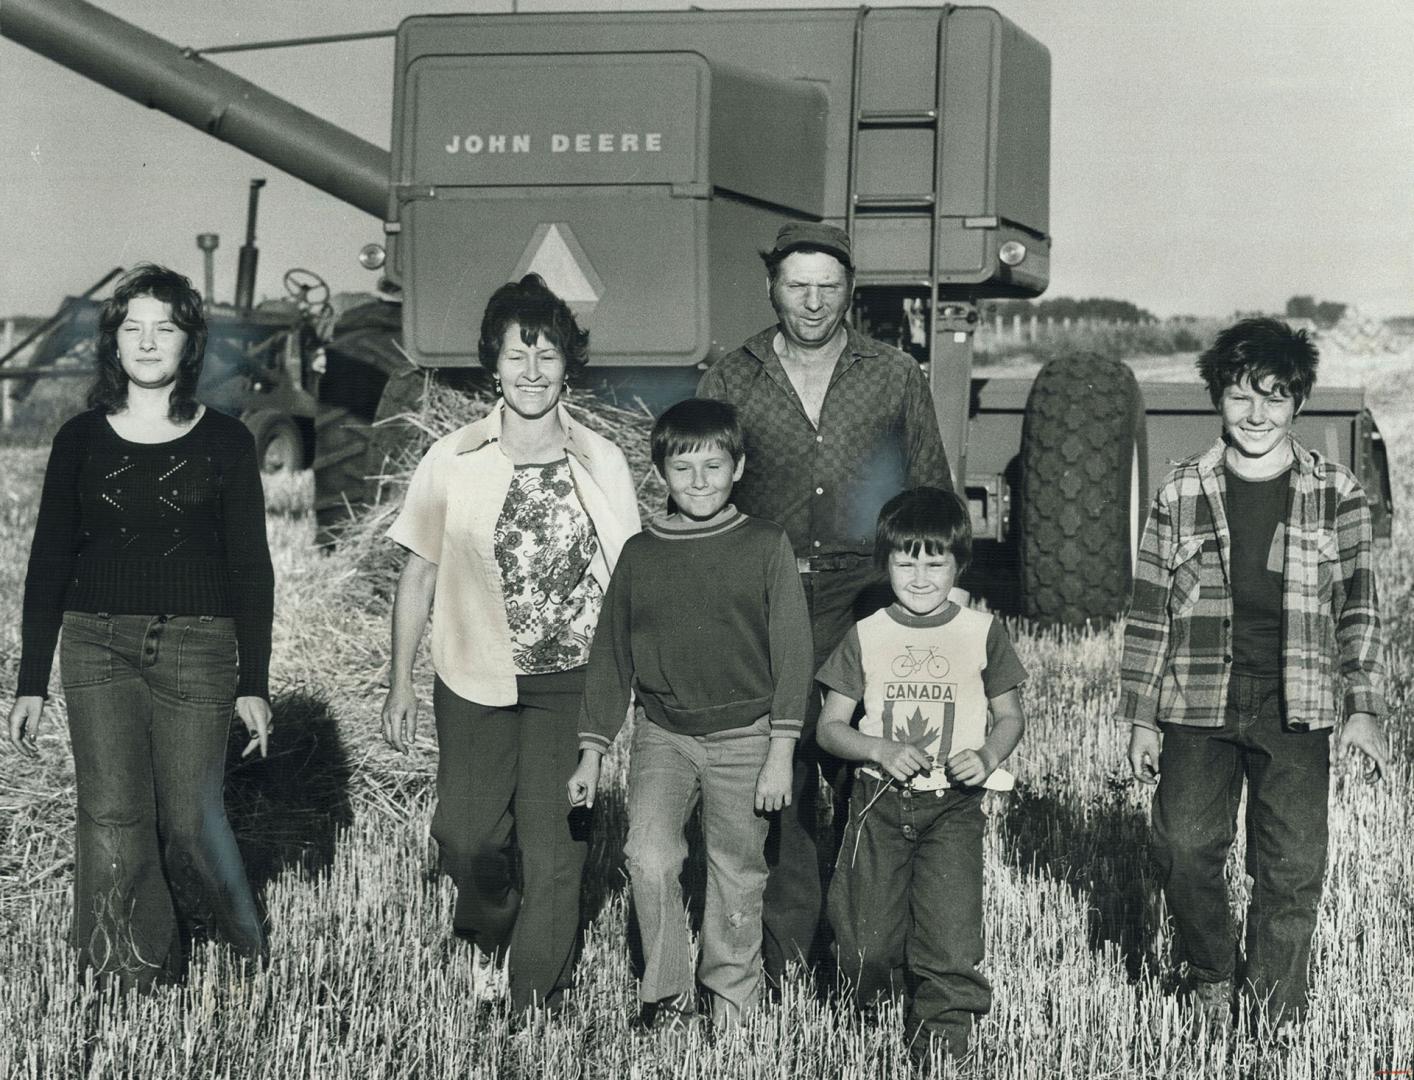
1195	822
906	906
150	699
669	774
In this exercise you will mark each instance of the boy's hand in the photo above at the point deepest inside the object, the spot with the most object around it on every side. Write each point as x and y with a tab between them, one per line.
901	760
773	782
1362	732
1144	746
584	781
970	768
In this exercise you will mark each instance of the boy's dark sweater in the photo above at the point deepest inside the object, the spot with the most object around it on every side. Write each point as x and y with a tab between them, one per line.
708	624
171	528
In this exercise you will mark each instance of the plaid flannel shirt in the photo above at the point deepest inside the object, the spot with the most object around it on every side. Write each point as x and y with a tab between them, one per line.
1178	639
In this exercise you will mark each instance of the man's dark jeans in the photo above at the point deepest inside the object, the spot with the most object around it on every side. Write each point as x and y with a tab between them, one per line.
906	907
149	701
1195	823
796	847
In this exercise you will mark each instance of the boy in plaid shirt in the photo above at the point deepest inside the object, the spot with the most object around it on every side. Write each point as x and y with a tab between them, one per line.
1254	605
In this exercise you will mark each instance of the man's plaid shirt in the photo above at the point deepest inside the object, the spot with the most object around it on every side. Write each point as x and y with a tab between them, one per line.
878	435
1178	640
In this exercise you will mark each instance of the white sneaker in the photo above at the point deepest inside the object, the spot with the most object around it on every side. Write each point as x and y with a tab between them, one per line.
489	981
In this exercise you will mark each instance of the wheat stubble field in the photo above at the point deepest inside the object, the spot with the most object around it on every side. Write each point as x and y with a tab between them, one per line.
364	981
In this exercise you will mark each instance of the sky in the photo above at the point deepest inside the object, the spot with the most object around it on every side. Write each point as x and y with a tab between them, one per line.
1208	156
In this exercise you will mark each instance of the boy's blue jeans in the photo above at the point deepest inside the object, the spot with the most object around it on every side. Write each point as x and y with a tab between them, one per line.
150	699
1195	822
906	906
668	775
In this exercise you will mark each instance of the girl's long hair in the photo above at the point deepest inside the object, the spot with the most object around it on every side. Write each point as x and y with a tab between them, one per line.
109	391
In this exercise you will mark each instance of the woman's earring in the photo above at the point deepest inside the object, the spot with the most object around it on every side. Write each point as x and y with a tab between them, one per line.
497	380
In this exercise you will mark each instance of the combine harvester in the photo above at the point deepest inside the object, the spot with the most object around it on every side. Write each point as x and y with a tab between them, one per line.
638	161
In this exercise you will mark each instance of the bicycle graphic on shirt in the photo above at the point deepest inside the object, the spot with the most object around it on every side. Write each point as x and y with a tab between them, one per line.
918	659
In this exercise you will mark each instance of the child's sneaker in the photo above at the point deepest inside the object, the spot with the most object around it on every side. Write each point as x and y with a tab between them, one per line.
489	980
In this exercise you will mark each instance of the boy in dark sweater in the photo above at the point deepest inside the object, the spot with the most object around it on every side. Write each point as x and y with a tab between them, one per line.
704	620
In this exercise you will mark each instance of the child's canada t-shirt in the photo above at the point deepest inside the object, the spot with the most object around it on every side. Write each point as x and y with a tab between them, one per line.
926	680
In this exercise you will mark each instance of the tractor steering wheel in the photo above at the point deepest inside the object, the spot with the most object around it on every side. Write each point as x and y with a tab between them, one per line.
308	289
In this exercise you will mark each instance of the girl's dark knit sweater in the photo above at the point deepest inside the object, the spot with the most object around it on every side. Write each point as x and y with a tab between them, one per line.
172	528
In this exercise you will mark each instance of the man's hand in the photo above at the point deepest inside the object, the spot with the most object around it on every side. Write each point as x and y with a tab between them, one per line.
1144	746
773	785
400	717
901	760
969	768
583	783
1362	732
24	724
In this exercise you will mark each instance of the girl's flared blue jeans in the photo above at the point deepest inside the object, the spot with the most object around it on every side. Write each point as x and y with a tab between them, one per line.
150	700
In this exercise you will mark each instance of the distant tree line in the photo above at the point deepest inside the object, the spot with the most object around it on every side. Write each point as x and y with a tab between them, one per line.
1323	313
1064	307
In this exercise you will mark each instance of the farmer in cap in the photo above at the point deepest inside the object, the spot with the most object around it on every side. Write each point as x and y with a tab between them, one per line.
835	424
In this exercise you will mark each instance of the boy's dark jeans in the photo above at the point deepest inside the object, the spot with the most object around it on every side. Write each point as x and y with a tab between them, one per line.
149	701
906	906
1195	823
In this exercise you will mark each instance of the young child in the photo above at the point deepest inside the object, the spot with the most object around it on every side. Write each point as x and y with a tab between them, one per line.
907	890
705	621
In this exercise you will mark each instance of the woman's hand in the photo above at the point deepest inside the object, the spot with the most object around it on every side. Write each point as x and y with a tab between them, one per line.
24	724
412	603
400	717
255	715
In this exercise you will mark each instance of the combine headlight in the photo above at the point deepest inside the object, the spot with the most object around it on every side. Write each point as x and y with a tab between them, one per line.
372	256
1012	252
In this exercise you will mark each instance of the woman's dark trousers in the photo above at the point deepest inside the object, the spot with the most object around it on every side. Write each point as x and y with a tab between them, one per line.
499	771
1195	823
149	702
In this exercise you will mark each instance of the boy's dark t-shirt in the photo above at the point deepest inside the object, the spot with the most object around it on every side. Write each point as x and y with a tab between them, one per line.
707	623
1256	512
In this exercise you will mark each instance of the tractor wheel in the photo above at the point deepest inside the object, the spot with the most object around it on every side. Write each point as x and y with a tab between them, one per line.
367	379
278	446
1084	465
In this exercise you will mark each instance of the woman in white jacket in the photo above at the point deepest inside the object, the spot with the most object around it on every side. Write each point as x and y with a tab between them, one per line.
513	524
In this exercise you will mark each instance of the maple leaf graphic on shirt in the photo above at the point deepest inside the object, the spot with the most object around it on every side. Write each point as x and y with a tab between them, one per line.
917	732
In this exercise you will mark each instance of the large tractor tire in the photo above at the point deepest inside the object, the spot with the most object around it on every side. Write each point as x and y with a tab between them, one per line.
367	379
1084	485
279	448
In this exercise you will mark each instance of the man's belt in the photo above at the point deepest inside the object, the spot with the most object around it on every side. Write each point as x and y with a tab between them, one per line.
823	564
